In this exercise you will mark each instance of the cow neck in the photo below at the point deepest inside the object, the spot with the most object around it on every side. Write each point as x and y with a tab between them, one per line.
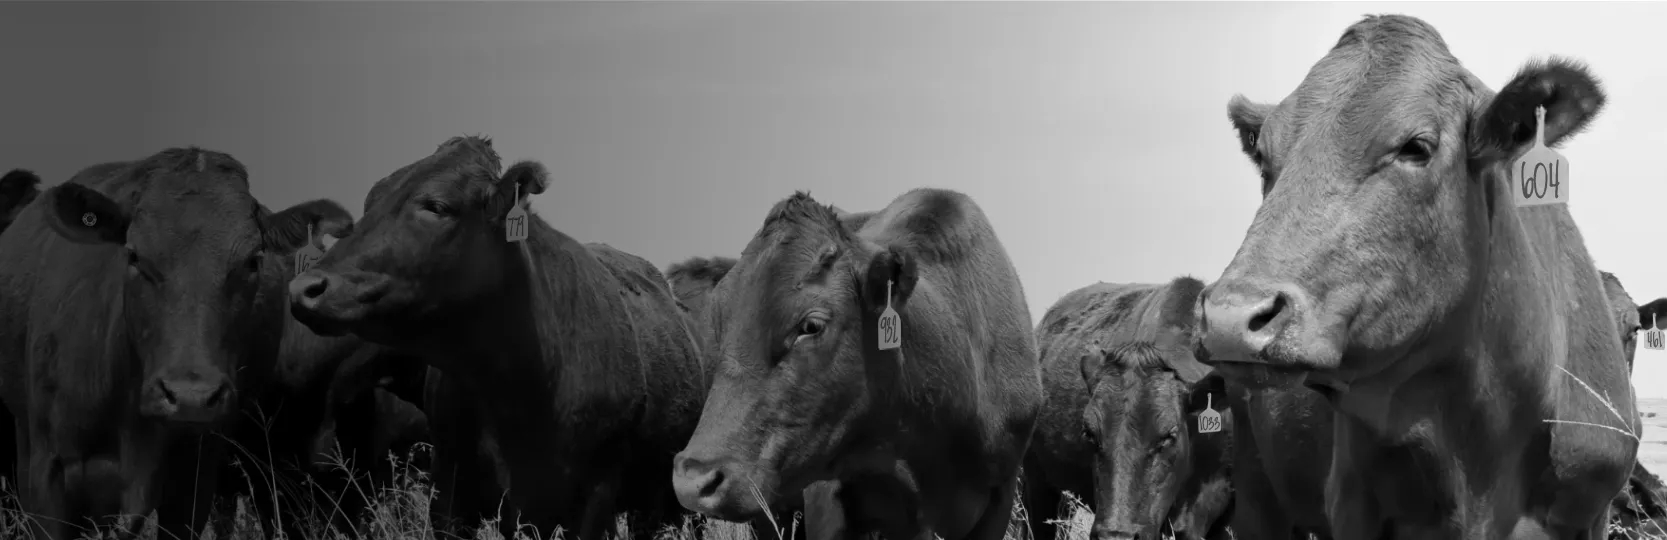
529	343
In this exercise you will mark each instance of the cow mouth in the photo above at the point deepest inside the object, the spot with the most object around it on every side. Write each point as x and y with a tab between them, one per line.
321	323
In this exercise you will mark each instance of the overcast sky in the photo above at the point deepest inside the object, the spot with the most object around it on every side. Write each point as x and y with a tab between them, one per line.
1094	135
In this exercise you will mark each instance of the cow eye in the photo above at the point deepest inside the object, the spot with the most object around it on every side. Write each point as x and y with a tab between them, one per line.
253	264
437	208
811	326
1088	435
1167	441
1416	151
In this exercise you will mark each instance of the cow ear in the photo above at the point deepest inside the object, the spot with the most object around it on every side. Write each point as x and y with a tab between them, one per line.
1093	360
19	185
1572	97
286	231
530	177
1654	311
82	215
893	267
1247	118
1210	391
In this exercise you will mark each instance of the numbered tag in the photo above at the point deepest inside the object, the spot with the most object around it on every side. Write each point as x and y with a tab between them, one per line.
891	326
1654	338
515	224
1209	421
1541	176
308	255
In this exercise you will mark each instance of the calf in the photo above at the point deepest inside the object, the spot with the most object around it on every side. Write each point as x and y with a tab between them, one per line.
1390	268
579	367
1118	369
924	438
147	309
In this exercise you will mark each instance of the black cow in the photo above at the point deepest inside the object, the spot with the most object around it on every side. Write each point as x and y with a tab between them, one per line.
925	438
580	368
1120	425
143	316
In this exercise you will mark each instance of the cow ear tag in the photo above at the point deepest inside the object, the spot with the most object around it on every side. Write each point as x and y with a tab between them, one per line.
515	224
891	326
1540	176
1209	421
1654	338
309	254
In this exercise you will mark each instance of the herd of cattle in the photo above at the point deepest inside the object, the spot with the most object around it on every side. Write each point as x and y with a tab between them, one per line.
1395	351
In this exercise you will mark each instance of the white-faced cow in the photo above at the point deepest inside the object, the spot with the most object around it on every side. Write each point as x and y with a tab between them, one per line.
146	311
1463	339
582	371
923	438
1120	424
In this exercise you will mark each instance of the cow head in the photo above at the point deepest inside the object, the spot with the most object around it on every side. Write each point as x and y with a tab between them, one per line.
197	245
1381	175
431	241
18	188
1139	419
800	373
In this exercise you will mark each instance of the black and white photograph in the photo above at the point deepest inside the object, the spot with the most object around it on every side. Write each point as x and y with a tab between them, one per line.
832	270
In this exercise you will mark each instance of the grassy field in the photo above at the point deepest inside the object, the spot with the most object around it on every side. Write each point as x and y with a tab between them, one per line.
400	511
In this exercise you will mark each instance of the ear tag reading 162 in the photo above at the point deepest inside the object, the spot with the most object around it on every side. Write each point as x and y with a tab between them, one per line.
1542	175
1209	421
1654	338
308	255
891	326
515	224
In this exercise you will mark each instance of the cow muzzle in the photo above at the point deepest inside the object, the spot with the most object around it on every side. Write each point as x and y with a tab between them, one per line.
717	488
1261	336
195	397
329	304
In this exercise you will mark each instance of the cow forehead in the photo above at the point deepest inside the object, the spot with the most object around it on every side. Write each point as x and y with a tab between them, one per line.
462	166
1384	68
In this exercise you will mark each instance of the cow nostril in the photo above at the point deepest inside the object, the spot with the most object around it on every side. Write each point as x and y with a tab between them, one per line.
217	397
715	478
1267	314
167	393
315	288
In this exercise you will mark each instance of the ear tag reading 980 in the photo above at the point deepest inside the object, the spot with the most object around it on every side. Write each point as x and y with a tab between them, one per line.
1541	176
515	224
308	255
1209	421
1654	338
891	326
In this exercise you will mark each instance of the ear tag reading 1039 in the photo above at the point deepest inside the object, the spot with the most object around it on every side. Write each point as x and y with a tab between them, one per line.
308	255
1654	338
515	224
1541	176
891	326
1209	421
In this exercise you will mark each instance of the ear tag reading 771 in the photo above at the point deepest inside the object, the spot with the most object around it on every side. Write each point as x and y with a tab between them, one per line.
891	326
1209	421
515	224
1654	338
1540	176
308	255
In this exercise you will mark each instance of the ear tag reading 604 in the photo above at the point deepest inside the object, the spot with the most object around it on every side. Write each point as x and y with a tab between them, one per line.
308	255
1654	338
515	224
1209	421
891	326
1541	176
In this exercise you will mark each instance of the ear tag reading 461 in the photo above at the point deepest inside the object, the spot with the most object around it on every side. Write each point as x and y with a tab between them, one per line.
515	224
1541	176
891	326
308	255
1654	338
1209	421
